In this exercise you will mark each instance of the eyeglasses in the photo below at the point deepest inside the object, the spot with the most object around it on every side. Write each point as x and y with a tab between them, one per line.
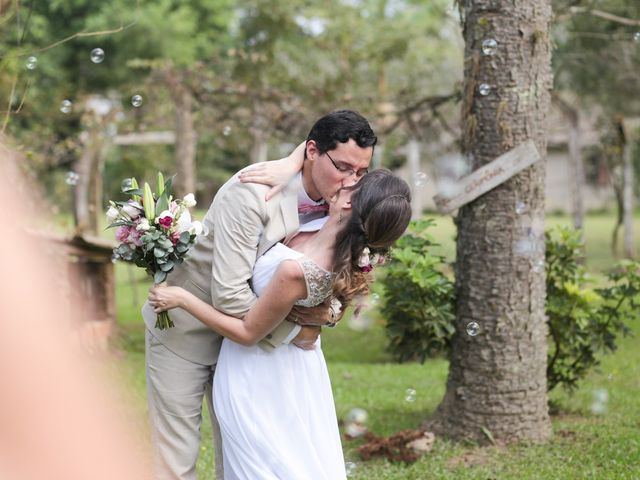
348	170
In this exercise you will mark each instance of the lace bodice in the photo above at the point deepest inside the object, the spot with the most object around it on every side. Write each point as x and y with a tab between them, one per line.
319	281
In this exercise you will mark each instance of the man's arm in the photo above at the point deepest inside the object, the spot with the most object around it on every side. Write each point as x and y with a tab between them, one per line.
238	221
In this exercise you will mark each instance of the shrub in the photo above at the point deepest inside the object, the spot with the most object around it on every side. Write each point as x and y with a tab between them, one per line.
420	304
583	321
419	298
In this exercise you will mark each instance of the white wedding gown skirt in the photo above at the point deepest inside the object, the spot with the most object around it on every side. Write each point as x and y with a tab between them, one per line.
276	410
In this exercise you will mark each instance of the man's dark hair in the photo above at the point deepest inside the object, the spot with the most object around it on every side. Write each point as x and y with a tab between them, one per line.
340	126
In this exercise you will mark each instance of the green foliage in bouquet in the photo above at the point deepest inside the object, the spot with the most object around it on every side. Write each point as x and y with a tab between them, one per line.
583	322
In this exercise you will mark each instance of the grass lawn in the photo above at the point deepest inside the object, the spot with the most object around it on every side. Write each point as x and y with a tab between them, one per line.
585	445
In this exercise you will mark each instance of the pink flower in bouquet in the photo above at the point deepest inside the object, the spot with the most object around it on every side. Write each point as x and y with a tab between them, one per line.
174	237
122	234
135	236
166	221
129	235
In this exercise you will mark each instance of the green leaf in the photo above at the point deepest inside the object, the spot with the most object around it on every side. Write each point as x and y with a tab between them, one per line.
159	252
167	267
162	204
488	434
159	277
121	223
136	193
168	185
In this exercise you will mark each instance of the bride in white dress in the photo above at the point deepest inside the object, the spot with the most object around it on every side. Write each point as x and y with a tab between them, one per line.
259	440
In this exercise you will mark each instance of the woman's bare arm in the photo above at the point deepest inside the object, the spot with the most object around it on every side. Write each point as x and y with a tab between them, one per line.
284	289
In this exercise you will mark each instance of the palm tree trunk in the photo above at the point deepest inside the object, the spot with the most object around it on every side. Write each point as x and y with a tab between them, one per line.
496	389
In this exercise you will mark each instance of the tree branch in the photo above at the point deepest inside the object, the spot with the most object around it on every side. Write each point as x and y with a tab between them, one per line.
606	15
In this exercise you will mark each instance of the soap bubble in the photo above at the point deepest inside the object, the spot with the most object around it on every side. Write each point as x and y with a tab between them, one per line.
473	329
71	178
420	179
66	106
410	395
136	101
97	55
489	47
32	63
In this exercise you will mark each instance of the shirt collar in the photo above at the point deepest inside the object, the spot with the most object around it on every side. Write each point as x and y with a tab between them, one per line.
303	197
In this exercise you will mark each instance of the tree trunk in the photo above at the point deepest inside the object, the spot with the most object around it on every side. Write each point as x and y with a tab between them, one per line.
627	196
497	386
413	160
577	165
260	147
186	138
88	207
185	150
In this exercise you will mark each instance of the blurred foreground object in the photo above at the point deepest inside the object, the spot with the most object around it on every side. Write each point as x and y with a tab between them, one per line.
59	418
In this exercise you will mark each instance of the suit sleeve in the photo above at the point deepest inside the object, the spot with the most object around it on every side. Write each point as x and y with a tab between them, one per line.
238	221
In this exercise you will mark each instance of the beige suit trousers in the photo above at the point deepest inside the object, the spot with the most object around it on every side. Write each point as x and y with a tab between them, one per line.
175	391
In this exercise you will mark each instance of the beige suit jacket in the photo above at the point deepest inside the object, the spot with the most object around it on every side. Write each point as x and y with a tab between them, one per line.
242	226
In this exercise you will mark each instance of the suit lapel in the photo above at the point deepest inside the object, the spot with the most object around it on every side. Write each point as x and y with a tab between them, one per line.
284	220
289	208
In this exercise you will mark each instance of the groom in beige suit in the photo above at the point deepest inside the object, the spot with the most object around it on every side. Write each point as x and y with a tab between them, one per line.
242	226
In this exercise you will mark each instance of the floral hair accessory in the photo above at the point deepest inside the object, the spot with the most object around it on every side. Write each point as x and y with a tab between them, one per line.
364	262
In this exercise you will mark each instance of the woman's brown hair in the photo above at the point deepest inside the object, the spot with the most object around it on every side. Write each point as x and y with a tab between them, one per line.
380	213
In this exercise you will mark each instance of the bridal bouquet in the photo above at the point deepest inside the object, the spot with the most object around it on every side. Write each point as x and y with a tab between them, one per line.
154	230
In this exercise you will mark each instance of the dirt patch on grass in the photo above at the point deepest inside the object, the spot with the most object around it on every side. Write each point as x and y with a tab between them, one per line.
473	458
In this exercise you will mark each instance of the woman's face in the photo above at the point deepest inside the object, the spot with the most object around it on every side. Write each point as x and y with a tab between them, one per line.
341	200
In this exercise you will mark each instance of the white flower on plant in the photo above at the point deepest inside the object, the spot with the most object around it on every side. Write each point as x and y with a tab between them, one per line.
143	225
132	209
112	214
189	200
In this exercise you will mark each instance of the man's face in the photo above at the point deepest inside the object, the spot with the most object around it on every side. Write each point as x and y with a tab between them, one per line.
337	168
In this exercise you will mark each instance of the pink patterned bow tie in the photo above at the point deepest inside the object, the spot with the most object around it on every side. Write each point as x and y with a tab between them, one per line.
306	208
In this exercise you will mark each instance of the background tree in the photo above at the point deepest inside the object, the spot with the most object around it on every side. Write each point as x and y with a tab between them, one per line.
496	389
596	61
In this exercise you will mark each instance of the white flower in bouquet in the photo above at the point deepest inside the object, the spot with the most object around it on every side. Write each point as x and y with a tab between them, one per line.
132	209
189	200
143	225
112	214
198	228
184	221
